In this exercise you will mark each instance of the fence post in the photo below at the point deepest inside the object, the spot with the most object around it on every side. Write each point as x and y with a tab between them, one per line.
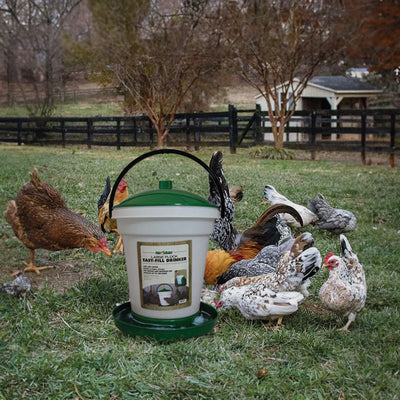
134	131
118	134
198	122
259	135
313	133
89	133
363	136
392	138
233	133
187	131
19	132
62	126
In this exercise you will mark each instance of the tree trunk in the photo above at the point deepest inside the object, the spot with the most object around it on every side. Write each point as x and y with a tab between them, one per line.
160	141
278	134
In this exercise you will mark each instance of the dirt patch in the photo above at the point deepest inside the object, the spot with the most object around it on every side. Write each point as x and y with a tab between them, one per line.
64	275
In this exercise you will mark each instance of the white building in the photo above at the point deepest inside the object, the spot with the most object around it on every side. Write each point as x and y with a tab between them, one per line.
329	93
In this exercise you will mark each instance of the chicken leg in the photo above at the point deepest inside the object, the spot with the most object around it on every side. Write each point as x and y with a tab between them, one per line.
31	267
276	327
119	247
345	328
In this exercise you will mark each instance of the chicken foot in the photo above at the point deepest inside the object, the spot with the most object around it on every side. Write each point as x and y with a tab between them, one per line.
31	267
345	328
276	327
119	247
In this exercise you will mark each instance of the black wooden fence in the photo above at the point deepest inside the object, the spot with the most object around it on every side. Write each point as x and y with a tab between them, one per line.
342	130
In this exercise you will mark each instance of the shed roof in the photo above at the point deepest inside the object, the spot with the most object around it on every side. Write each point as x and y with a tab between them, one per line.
342	83
336	85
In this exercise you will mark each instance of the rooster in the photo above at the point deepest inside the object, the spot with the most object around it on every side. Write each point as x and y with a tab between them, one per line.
291	273
332	219
274	197
266	231
106	223
267	259
345	291
258	302
40	219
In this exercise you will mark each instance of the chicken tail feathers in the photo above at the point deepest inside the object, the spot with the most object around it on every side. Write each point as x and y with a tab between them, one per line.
311	262
216	167
104	195
277	209
346	250
271	195
35	180
319	205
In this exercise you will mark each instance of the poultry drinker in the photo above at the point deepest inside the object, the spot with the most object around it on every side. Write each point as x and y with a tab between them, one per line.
166	234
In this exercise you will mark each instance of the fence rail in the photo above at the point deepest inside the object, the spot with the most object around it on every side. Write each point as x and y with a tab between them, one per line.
349	130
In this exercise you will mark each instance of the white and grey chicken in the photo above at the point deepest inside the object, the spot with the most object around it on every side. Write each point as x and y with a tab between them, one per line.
345	291
258	302
267	259
291	273
18	286
332	219
274	197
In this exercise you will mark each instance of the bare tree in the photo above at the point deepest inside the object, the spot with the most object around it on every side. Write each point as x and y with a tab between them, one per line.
32	39
156	52
278	45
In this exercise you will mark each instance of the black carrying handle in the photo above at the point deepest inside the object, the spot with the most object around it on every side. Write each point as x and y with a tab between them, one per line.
167	151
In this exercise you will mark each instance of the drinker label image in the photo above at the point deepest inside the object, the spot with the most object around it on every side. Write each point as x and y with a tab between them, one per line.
165	273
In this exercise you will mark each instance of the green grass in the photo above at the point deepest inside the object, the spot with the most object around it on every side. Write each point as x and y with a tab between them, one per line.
75	109
65	345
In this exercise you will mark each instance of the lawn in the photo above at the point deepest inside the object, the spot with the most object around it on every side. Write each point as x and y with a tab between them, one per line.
61	342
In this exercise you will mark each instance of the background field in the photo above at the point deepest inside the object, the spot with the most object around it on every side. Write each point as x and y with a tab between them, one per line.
61	342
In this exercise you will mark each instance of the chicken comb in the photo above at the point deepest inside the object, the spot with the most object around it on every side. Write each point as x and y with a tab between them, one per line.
327	257
122	186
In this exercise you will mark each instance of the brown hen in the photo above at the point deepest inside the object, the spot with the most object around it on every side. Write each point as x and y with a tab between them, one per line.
40	219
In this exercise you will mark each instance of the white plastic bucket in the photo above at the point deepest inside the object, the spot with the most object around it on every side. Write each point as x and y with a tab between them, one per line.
165	248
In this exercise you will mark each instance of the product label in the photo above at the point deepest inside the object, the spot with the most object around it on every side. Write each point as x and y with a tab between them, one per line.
165	273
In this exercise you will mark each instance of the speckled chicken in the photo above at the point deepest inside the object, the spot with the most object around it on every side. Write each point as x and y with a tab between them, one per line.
332	219
258	302
345	291
267	259
18	286
291	273
274	197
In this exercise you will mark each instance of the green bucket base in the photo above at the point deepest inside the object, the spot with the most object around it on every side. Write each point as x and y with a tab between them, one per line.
165	329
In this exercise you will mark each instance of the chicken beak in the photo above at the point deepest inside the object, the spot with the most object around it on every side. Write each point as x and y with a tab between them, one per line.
107	251
101	245
104	247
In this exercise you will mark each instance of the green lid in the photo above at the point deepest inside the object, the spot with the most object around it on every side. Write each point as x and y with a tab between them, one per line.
165	196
